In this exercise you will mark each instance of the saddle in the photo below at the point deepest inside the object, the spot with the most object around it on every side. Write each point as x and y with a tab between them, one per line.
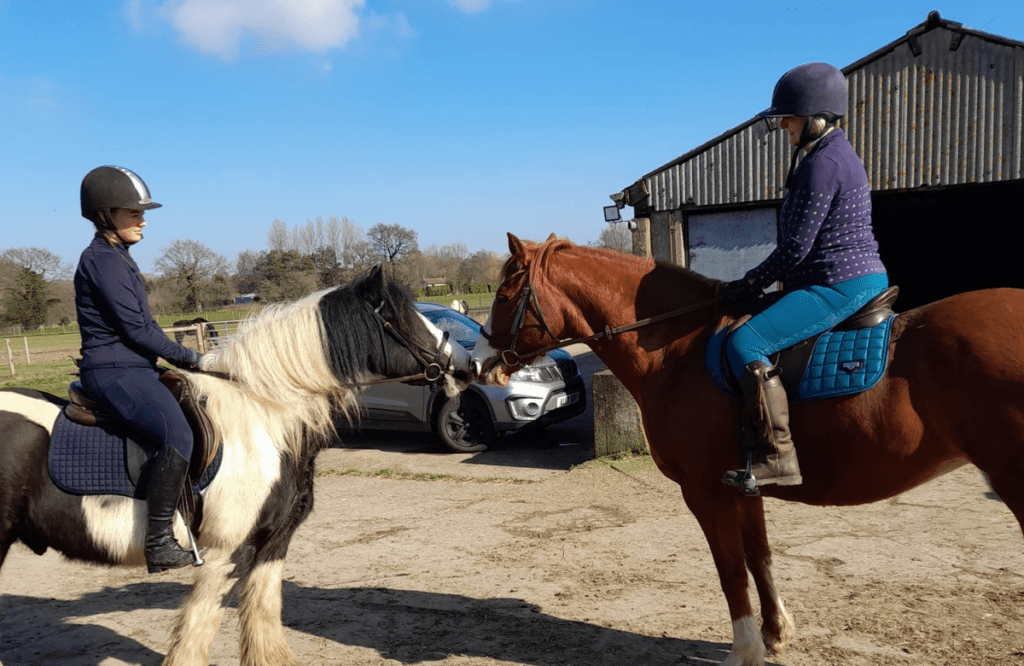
847	359
205	442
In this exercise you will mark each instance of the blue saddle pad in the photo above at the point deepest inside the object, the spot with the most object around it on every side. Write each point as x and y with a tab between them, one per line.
842	363
91	460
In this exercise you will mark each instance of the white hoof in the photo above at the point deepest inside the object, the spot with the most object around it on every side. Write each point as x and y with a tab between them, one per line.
747	647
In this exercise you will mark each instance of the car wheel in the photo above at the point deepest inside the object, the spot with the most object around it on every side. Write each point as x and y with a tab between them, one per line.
464	423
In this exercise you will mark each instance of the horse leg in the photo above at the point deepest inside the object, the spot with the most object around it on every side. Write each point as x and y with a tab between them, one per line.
1006	481
261	636
776	623
259	614
200	615
719	518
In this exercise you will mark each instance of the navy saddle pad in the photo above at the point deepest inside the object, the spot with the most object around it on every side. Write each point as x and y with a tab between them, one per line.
100	460
842	363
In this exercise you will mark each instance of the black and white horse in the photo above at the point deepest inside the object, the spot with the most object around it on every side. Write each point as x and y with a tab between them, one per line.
291	374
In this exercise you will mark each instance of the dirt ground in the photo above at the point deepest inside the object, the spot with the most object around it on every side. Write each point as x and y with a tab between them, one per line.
521	555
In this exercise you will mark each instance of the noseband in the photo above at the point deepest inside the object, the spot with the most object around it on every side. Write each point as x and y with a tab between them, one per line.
433	361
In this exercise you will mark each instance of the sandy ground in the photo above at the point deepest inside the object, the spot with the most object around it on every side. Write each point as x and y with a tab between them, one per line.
521	555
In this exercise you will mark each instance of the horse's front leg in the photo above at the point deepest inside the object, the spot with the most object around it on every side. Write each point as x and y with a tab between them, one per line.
776	623
200	615
719	518
261	636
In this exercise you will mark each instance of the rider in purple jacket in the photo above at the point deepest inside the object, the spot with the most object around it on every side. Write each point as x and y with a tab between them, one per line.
827	259
121	344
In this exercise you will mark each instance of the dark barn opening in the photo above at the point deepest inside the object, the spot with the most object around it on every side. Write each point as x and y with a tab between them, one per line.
938	242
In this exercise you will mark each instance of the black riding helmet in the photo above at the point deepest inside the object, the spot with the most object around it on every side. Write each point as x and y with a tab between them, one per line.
812	90
108	187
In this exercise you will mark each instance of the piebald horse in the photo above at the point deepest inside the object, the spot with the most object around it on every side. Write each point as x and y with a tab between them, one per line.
274	393
953	394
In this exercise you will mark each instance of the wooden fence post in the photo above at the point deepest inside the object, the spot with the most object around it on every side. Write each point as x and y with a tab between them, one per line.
10	355
28	357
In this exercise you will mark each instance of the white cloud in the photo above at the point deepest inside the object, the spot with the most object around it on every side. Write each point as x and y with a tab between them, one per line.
218	26
472	6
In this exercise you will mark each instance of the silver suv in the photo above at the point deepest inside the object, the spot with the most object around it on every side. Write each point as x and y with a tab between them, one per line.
549	391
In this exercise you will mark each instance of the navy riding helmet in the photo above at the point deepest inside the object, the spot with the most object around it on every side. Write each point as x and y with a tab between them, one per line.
812	89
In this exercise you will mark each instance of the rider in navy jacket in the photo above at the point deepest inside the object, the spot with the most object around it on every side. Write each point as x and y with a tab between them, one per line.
121	344
827	258
113	313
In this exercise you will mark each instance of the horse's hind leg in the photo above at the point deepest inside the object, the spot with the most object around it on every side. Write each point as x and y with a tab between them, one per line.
776	623
200	615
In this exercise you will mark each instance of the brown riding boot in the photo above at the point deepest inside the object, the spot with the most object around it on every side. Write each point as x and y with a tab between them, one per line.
765	401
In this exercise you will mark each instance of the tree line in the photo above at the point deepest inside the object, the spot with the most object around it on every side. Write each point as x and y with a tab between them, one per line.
36	285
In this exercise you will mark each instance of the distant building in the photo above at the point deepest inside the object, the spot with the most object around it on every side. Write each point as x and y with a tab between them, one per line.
936	118
429	283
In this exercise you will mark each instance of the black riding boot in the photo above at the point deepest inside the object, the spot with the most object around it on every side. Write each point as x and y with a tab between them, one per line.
166	479
765	401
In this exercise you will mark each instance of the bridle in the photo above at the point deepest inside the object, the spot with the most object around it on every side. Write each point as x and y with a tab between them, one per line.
511	358
433	361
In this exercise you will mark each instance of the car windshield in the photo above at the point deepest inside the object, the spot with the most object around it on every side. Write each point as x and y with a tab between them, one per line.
460	328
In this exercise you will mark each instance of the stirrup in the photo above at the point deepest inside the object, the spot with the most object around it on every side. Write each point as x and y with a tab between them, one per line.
745	481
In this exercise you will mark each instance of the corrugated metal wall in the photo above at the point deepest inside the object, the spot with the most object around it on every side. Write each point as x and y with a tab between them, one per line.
944	117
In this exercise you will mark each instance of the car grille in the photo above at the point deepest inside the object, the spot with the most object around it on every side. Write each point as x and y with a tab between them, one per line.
567	368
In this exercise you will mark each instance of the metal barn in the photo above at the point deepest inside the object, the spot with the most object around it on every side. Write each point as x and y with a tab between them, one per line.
936	118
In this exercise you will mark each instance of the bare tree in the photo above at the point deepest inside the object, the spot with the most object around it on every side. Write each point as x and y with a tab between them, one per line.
277	237
616	237
353	244
40	261
392	241
194	267
245	270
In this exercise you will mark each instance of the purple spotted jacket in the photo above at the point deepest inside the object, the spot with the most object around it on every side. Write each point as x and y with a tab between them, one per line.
825	223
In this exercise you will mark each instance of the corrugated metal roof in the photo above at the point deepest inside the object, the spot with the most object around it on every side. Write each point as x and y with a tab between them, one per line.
942	105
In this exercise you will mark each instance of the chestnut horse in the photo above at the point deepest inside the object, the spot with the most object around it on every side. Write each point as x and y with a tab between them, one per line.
953	394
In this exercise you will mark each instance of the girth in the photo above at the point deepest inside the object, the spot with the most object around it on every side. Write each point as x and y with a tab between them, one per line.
86	411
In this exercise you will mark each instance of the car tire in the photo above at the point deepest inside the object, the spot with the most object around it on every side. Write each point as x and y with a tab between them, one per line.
464	424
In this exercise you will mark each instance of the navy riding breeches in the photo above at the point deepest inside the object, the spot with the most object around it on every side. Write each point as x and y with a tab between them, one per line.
141	402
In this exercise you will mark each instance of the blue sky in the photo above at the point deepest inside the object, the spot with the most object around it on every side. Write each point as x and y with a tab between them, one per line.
460	119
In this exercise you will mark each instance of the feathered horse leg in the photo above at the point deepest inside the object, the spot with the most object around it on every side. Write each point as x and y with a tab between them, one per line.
261	635
199	617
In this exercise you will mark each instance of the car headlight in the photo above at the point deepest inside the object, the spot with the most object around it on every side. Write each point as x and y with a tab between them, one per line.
538	374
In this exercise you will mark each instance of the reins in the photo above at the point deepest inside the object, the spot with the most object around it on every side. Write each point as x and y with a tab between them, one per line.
511	358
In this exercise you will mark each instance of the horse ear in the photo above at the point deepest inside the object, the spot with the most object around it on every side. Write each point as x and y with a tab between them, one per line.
376	277
551	237
515	246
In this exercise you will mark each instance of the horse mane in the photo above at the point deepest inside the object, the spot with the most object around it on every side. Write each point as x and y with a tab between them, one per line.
293	366
640	264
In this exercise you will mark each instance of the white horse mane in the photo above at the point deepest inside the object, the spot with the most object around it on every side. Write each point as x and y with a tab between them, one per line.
281	376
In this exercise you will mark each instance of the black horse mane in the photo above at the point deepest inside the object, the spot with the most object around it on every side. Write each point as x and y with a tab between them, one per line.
356	339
